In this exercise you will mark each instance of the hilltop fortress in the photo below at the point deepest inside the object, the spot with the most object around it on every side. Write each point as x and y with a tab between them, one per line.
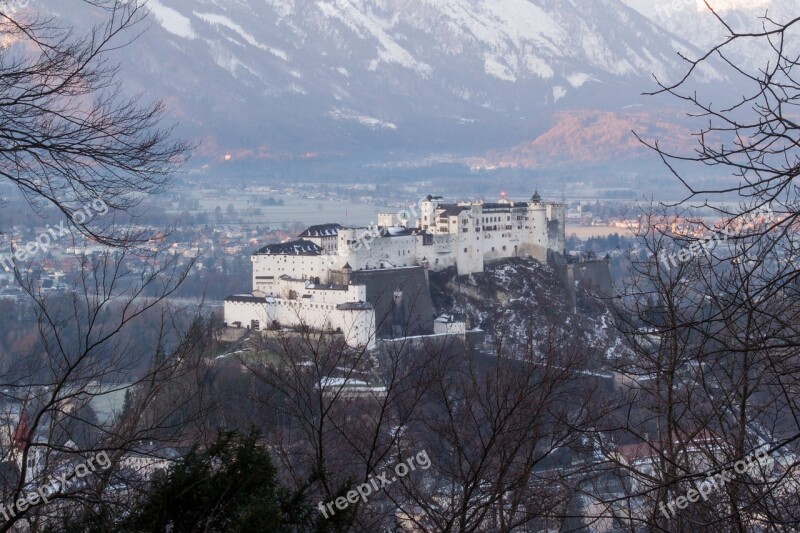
329	277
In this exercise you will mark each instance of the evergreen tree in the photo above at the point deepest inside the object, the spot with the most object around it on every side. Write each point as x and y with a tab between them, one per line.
231	486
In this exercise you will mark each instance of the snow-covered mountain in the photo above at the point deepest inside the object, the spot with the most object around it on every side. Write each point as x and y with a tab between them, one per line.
393	79
692	21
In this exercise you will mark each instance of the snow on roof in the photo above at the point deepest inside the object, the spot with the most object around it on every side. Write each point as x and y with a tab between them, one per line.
296	247
322	230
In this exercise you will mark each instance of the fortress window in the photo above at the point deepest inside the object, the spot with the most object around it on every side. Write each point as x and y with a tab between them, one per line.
465	251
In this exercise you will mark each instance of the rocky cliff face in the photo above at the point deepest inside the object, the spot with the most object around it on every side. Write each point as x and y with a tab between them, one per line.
523	303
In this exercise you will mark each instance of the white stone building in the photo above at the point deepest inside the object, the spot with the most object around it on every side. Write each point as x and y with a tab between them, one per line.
338	308
465	235
307	281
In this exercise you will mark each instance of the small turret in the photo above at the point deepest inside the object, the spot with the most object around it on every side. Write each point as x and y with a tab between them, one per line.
536	198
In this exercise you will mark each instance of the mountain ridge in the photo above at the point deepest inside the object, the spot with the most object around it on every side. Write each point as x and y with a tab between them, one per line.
384	80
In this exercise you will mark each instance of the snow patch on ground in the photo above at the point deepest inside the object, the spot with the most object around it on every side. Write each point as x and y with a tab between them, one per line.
522	20
295	88
366	120
559	92
539	67
171	20
221	20
389	51
493	67
277	52
576	79
512	29
224	58
283	8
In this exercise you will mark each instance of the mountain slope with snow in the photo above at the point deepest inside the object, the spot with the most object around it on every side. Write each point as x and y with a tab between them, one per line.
694	22
384	79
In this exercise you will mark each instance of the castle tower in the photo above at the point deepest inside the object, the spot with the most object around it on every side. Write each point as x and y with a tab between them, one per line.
347	271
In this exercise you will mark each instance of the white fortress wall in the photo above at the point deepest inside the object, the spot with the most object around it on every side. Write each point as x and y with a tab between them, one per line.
558	239
318	307
267	269
299	289
357	325
442	253
534	239
365	249
244	310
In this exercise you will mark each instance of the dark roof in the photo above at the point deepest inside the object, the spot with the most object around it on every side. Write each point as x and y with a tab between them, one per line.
501	206
450	317
327	287
322	230
355	306
452	210
244	298
536	197
296	247
398	231
292	278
